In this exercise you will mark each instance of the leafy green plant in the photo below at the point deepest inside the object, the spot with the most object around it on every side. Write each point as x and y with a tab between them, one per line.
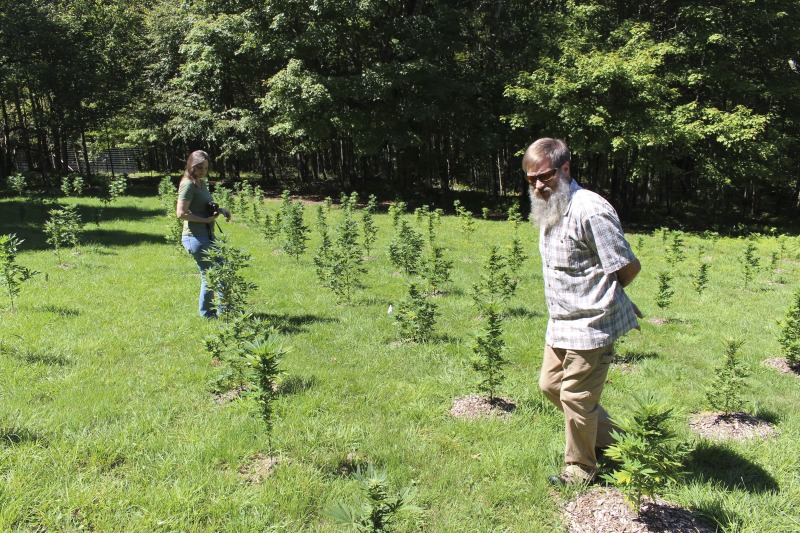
17	183
750	262
12	275
494	286
295	231
789	337
647	452
434	219
405	248
436	268
368	225
265	356
487	350
225	276
675	252
339	263
467	222
416	315
485	213
64	228
226	346
396	210
701	278
665	291
725	390
380	511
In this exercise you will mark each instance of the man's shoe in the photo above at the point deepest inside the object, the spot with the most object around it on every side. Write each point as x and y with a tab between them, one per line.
573	476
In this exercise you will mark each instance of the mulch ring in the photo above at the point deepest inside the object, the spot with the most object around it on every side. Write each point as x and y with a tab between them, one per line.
472	407
260	467
736	426
780	364
604	510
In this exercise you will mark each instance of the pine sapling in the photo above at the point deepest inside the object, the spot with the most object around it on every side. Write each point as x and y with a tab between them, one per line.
416	315
12	275
650	459
701	279
487	352
665	292
380	511
789	337
725	390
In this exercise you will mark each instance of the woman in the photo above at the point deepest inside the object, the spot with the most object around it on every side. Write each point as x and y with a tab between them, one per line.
198	227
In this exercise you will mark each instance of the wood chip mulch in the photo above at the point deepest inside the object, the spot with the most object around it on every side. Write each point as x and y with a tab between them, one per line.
472	407
780	364
736	426
260	467
604	510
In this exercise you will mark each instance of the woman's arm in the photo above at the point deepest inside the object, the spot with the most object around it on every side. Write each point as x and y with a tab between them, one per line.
183	213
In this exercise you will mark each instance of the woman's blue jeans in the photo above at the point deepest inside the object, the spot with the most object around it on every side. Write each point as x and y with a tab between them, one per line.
197	246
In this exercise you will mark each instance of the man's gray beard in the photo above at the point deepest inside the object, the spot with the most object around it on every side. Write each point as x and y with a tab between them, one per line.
547	213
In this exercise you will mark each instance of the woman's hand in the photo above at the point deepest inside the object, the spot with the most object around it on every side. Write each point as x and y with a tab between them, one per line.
224	212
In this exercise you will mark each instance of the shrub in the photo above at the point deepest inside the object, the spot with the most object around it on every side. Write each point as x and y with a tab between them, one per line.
63	228
12	275
487	351
227	345
405	248
646	450
675	253
789	338
16	182
416	315
436	269
339	263
396	210
295	232
224	276
725	390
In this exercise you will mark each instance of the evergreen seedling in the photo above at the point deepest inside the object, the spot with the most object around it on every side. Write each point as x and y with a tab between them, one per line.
416	315
225	277
63	228
646	451
789	338
405	248
487	351
12	274
665	292
380	511
701	279
725	390
265	356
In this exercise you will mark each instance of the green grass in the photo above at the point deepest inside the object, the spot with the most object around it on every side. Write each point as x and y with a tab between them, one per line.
108	422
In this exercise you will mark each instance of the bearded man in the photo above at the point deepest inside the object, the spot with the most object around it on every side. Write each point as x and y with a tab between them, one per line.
586	263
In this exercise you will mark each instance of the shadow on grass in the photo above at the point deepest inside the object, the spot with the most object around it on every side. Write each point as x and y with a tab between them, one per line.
522	312
633	357
10	436
717	462
297	384
58	310
292	324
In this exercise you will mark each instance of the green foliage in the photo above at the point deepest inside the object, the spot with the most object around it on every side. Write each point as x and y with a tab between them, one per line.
405	248
750	262
434	219
12	275
64	228
485	213
467	222
173	228
396	210
17	183
225	278
495	285
675	253
789	337
487	352
116	187
294	231
436	268
516	258
380	511
416	315
72	185
227	349
645	448
514	215
368	225
701	279
265	356
725	390
339	263
665	291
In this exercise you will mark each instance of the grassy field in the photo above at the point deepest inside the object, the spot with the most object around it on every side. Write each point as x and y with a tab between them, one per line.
108	422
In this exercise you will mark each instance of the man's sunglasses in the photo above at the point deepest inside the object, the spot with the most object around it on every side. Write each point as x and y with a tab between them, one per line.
544	177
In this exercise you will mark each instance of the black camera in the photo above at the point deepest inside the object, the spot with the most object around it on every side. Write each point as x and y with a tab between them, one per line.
212	209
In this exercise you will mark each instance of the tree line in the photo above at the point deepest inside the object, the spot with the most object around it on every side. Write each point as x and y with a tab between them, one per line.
663	102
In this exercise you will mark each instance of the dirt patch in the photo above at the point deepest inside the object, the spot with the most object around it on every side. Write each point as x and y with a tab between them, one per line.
780	364
472	407
658	321
736	426
228	396
260	467
603	510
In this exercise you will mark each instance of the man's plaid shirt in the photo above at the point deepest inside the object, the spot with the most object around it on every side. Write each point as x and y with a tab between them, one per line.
580	255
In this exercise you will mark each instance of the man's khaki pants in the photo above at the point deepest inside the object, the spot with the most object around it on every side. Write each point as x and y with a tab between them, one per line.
573	380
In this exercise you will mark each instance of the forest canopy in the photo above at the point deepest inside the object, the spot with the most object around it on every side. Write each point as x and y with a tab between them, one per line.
661	101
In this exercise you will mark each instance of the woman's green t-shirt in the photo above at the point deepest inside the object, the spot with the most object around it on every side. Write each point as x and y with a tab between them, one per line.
198	196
